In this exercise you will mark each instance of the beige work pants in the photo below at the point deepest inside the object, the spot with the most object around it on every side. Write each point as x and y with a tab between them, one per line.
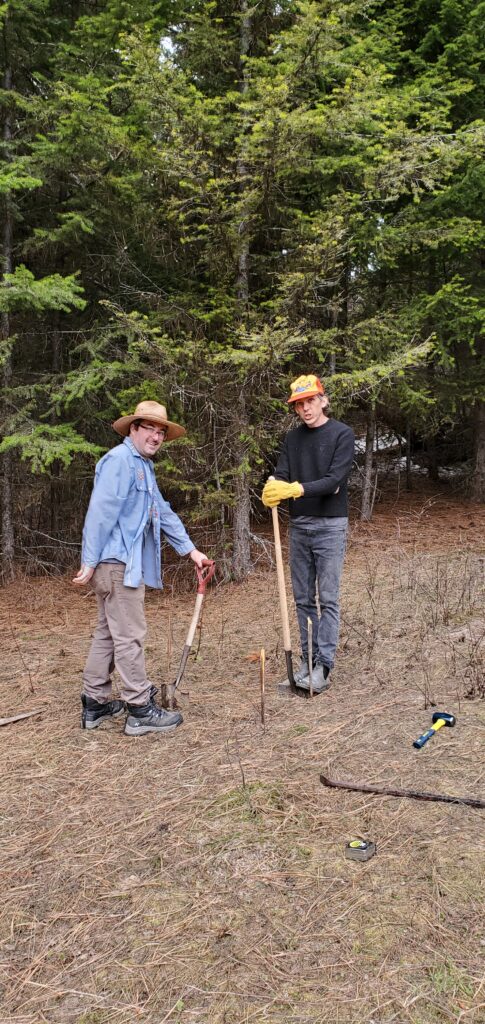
118	638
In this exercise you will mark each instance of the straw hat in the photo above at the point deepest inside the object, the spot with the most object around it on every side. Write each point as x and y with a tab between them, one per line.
153	412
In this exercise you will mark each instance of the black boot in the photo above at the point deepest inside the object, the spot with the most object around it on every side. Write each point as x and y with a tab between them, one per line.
153	694
143	718
94	713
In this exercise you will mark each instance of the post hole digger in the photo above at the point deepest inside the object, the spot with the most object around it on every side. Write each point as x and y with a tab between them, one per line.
204	577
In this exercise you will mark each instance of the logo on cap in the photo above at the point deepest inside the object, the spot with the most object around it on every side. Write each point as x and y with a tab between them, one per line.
305	386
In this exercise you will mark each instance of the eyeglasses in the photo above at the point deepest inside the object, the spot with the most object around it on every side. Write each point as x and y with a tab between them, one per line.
159	432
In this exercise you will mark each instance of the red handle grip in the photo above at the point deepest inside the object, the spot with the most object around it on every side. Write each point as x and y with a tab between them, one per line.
205	575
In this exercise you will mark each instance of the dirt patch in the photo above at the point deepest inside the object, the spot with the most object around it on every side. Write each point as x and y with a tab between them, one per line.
201	879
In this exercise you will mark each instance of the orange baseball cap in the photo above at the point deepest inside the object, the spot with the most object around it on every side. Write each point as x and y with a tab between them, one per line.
305	387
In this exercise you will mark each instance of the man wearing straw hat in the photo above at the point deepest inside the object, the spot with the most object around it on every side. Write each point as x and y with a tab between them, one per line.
121	552
312	471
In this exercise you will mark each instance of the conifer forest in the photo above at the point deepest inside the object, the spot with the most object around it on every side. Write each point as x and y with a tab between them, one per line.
202	200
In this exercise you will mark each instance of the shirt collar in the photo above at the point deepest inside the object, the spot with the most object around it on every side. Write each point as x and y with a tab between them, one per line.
134	451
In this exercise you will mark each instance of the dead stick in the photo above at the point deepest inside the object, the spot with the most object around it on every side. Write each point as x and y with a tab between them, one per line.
16	718
414	793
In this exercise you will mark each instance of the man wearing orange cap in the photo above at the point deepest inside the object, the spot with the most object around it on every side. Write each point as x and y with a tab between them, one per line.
121	553
312	471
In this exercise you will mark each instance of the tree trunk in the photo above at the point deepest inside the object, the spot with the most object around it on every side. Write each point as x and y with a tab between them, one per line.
241	557
8	540
432	454
409	482
55	473
367	496
242	173
478	479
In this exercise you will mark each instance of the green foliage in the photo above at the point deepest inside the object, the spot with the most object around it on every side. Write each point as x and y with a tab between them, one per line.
71	229
21	290
370	381
278	189
43	445
96	377
15	179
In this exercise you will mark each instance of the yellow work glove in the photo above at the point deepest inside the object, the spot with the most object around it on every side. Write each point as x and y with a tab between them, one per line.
275	491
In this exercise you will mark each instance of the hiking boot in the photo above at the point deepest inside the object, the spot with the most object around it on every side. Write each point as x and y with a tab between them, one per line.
300	673
143	718
320	679
152	696
94	713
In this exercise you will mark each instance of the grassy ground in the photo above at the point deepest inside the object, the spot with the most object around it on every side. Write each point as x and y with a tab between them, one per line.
201	878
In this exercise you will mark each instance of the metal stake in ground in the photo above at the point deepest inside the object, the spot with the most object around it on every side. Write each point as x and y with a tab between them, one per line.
204	575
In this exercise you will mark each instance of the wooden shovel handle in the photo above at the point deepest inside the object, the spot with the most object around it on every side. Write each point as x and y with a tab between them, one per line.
280	572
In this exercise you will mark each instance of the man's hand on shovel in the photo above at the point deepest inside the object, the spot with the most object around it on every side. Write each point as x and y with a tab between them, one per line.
275	491
200	559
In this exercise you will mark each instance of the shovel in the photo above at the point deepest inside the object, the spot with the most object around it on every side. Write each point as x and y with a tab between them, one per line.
204	576
285	622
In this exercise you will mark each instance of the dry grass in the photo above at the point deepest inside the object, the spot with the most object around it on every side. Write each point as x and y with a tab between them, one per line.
200	879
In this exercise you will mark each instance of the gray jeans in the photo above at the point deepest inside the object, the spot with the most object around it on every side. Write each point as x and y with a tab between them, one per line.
317	550
119	637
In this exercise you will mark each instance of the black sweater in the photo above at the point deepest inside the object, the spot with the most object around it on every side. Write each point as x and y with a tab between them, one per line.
320	458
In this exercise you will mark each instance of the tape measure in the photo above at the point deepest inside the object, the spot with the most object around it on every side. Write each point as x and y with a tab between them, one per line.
360	849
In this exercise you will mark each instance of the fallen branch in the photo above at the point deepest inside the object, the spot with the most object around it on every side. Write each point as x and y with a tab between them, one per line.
414	793
16	718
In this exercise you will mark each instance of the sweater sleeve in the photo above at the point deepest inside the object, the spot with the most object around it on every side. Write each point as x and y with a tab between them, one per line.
282	470
338	470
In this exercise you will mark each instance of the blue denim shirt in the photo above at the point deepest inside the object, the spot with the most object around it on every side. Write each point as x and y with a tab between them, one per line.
125	516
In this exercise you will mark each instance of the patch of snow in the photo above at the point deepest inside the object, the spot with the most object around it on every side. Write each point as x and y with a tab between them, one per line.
385	442
453	472
399	466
